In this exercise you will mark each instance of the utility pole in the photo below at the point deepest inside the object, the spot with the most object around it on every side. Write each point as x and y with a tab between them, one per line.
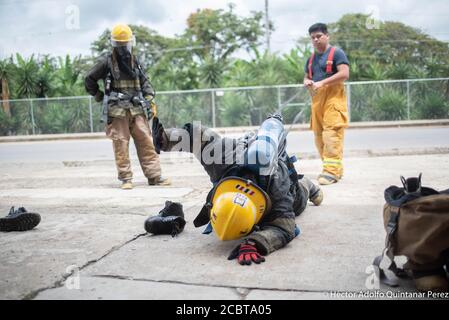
267	26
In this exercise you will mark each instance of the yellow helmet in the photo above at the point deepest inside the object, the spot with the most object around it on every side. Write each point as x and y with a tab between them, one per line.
237	205
122	35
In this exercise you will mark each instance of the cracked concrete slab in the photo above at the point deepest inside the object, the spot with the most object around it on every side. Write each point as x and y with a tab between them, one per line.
338	241
337	262
116	288
109	288
43	256
84	216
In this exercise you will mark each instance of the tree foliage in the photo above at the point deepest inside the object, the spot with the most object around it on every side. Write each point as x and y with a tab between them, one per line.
398	49
208	54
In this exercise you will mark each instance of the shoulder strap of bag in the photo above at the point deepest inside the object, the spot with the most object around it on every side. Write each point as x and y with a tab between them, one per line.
389	276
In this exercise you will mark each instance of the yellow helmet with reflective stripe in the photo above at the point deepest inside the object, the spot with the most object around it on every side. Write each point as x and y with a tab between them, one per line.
237	205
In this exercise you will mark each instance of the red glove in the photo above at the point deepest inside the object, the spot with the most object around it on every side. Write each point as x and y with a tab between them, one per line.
247	253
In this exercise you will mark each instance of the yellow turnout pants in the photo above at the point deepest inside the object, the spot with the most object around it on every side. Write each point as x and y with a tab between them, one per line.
328	120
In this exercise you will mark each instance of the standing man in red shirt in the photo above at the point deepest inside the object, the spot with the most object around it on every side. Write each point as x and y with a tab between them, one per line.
325	73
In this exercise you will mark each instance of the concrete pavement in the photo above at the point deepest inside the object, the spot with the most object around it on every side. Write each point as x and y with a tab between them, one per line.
91	243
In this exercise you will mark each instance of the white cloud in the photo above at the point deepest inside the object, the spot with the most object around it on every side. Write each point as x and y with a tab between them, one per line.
40	26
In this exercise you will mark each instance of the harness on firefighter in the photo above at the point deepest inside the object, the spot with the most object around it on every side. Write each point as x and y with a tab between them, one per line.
115	95
329	62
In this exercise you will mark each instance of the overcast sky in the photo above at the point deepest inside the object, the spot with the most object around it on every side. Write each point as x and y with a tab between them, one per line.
59	27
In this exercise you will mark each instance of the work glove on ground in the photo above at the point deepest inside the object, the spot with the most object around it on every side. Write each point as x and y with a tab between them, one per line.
246	253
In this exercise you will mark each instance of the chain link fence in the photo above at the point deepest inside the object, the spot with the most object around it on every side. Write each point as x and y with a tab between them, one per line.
414	99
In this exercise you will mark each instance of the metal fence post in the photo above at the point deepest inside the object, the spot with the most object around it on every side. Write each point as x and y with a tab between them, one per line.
90	115
408	100
279	98
213	108
349	101
32	117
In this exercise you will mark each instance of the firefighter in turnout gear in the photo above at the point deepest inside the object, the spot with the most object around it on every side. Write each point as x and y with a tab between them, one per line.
127	107
325	72
257	192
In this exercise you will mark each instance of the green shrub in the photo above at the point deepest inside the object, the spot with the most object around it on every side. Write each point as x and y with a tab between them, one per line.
389	105
433	106
233	110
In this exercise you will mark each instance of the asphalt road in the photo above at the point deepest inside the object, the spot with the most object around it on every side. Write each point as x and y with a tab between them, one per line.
298	142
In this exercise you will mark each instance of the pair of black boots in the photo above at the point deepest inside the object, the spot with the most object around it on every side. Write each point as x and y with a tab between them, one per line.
170	220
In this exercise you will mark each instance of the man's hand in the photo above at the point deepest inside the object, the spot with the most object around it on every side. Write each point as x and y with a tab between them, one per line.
149	97
317	85
99	96
246	253
308	82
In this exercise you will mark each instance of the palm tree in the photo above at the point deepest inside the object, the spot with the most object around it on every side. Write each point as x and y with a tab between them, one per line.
240	75
26	82
401	70
211	71
45	78
355	73
376	71
296	60
68	76
6	71
268	69
27	73
434	67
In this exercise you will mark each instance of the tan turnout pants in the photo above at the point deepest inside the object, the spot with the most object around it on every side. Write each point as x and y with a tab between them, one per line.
120	131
